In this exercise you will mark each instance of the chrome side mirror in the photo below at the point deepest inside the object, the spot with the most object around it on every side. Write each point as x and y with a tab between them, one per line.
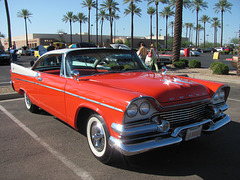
75	74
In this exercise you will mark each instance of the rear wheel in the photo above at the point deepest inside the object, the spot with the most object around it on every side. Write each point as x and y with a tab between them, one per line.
97	136
29	105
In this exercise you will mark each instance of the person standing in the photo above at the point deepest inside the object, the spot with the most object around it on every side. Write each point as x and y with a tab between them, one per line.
142	53
51	47
153	57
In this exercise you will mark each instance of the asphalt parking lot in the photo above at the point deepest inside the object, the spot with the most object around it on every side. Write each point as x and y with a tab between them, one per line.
39	146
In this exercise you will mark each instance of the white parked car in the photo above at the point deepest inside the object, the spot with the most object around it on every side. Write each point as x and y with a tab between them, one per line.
219	49
120	46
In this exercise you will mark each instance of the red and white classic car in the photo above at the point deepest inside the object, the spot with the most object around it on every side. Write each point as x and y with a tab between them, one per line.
112	96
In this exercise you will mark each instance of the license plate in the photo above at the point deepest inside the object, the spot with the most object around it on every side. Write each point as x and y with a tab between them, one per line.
193	133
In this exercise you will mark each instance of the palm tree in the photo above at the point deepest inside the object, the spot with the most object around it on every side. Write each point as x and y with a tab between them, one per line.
198	5
172	26
187	26
113	16
215	25
131	7
151	11
222	6
190	30
156	4
110	5
186	3
89	4
177	31
102	15
1	35
9	25
24	13
166	13
205	19
198	29
81	18
69	17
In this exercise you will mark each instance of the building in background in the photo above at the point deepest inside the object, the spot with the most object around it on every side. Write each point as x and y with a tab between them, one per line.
36	39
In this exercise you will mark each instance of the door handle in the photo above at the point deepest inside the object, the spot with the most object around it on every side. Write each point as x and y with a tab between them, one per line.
39	79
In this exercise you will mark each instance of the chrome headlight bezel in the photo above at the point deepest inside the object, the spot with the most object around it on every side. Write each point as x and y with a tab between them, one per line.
144	108
220	96
132	110
139	108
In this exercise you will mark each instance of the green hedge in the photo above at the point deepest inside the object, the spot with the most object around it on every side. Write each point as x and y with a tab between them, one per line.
220	68
185	61
213	64
194	63
179	64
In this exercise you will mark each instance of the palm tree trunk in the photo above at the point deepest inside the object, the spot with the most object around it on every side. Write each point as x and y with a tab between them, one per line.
25	19
157	26
196	31
177	31
150	29
97	22
70	31
221	28
190	30
186	31
101	33
166	32
88	25
132	26
111	34
204	35
80	32
9	25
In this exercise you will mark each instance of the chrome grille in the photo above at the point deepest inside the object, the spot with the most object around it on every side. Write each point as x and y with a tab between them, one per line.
179	117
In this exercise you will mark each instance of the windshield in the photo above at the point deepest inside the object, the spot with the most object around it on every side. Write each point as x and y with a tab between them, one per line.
104	60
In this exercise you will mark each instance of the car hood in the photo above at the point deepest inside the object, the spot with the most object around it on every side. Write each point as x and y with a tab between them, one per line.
164	88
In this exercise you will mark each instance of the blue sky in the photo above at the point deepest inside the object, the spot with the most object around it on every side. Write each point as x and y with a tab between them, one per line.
47	18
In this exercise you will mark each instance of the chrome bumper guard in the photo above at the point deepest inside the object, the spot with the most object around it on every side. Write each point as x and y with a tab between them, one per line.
133	149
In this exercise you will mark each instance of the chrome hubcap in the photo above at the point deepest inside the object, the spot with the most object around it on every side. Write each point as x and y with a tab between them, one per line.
97	136
27	101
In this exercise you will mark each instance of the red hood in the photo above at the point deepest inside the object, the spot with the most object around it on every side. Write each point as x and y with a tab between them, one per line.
164	88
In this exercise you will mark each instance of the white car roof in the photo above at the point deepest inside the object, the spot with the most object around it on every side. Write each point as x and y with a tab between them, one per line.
66	50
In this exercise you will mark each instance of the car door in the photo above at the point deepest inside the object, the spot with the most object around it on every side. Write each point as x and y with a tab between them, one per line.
51	85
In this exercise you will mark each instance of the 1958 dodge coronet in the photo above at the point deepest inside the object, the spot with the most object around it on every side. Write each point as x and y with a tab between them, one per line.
112	96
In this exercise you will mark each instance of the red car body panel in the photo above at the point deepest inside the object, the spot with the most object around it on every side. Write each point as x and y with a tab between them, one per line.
167	100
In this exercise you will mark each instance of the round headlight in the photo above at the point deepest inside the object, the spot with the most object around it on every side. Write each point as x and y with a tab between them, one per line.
132	110
216	97
144	108
222	94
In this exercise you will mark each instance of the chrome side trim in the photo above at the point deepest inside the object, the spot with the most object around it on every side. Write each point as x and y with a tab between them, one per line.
75	95
133	149
96	102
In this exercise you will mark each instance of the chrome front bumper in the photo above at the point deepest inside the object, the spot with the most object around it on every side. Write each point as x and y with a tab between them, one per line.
132	149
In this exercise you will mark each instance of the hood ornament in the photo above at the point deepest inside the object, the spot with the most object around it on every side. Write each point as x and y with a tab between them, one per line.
164	70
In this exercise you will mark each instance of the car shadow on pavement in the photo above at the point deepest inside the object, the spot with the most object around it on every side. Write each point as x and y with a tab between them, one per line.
212	156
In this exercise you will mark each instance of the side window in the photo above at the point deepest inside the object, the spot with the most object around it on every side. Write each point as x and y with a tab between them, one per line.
50	62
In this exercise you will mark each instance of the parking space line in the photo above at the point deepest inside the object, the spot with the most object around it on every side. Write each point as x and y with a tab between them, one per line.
77	170
10	100
233	99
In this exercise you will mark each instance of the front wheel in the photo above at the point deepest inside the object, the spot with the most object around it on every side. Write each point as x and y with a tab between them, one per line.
97	136
29	105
